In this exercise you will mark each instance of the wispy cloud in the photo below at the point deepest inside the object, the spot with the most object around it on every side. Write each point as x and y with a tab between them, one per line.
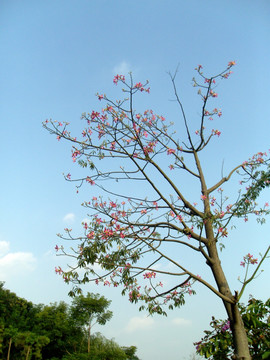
122	69
16	263
139	323
69	218
181	322
4	247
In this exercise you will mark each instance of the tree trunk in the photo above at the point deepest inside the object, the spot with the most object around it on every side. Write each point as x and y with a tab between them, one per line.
89	335
240	341
28	352
9	347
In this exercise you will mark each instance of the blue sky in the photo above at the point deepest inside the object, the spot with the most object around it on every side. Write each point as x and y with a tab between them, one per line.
54	56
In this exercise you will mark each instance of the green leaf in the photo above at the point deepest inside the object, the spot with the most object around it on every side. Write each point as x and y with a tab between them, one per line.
266	355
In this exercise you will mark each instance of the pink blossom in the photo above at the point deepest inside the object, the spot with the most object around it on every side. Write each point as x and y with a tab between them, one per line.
117	78
149	275
216	132
155	204
113	204
223	232
58	270
90	181
94	115
112	145
170	151
213	94
90	235
221	215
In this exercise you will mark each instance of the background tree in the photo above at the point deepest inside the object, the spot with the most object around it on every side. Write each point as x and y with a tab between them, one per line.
17	316
134	232
101	349
90	310
131	352
52	332
54	322
31	345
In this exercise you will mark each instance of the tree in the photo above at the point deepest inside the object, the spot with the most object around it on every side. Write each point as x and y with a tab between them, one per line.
90	310
101	349
133	232
131	352
219	343
54	321
55	331
104	349
17	318
31	343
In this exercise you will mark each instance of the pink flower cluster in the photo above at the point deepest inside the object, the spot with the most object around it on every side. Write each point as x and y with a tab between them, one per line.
117	78
248	259
149	275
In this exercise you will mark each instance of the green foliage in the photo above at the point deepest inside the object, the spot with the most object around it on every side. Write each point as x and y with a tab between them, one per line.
55	322
130	352
218	343
90	308
104	349
31	344
56	331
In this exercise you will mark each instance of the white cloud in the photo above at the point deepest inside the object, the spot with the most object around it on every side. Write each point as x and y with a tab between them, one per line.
181	322
68	218
4	247
122	69
139	323
16	264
